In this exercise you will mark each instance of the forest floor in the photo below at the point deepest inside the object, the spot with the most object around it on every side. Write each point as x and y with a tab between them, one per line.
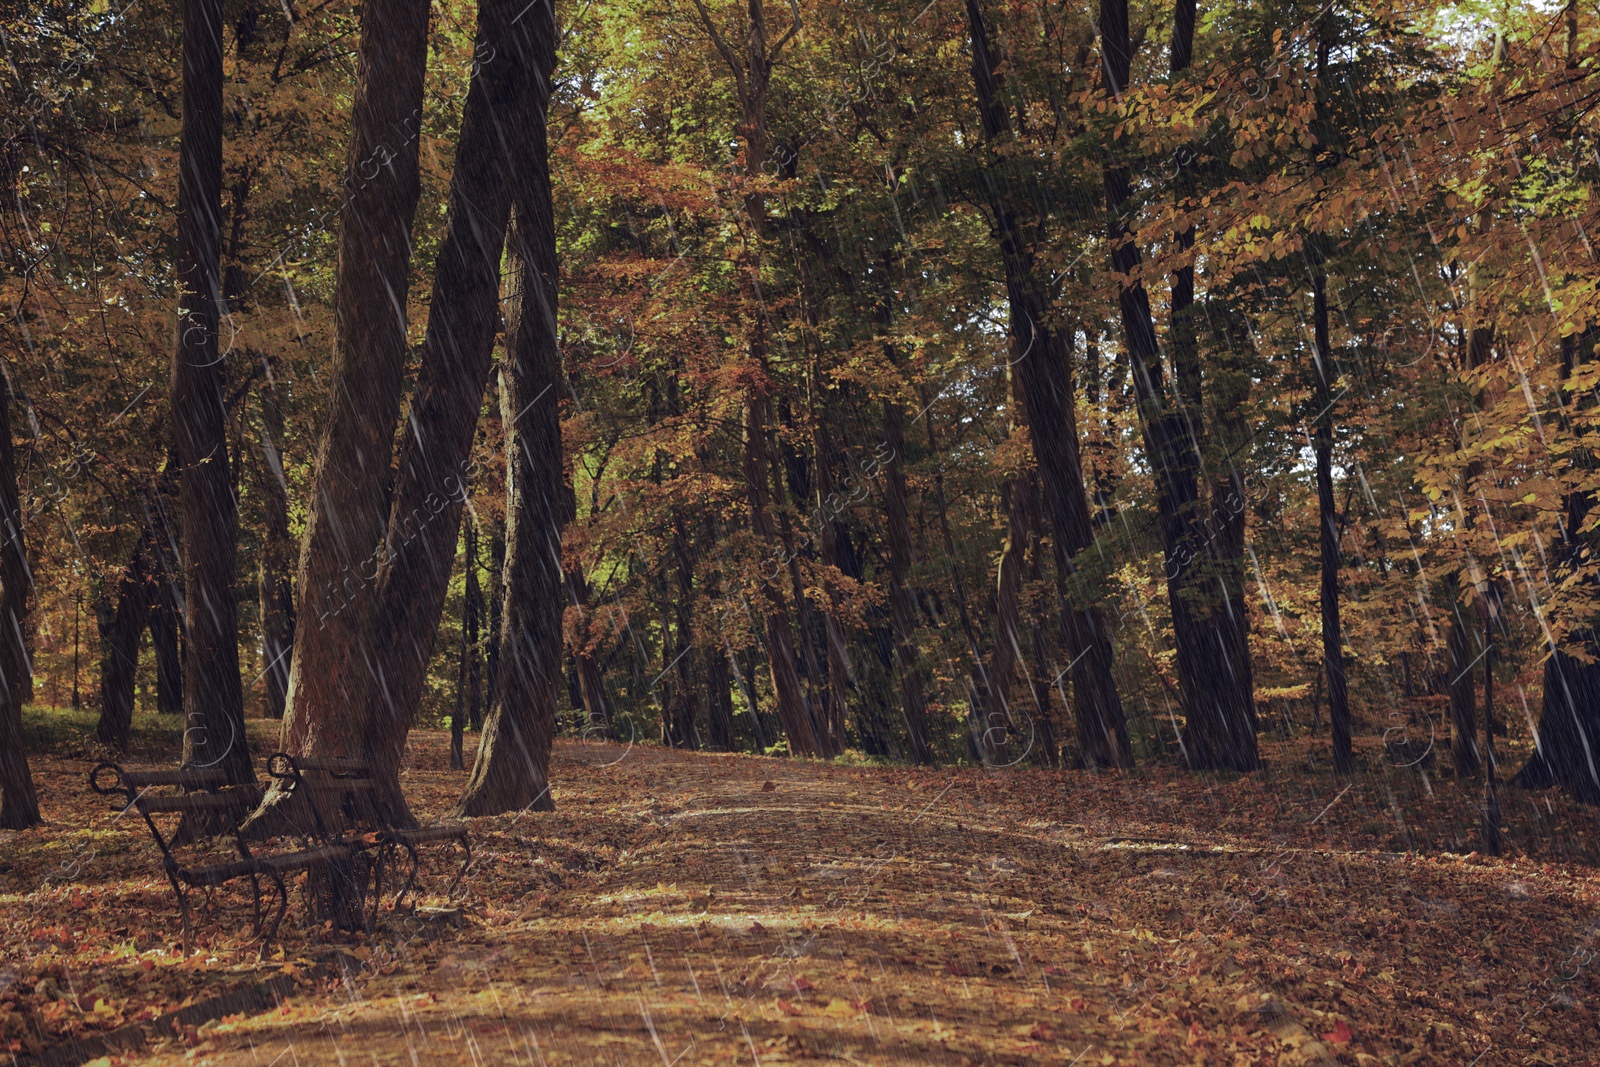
683	907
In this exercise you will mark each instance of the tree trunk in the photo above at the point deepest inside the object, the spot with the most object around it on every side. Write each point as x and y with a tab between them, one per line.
1328	534
497	605
424	524
121	625
1218	732
472	615
333	657
591	682
1042	360
166	642
897	531
513	765
1567	742
719	700
1217	682
19	804
752	73
213	696
274	579
685	706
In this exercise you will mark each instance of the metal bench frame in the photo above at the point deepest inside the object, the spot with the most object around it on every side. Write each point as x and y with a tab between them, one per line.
347	780
208	791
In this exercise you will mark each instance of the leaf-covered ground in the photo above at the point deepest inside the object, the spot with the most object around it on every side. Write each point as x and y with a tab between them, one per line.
698	908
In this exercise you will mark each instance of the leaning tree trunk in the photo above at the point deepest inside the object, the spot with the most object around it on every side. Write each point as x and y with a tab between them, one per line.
274	579
333	657
1043	365
513	766
19	804
493	160
213	696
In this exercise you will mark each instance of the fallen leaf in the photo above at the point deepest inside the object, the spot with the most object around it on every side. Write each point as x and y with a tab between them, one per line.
1339	1035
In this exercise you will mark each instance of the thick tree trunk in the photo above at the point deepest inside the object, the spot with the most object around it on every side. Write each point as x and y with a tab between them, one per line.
341	551
1042	362
1218	687
19	804
1328	534
121	624
719	700
166	642
897	535
495	158
1219	731
213	695
1567	741
513	765
274	576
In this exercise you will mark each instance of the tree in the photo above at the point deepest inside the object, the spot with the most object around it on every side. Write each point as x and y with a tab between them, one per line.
495	159
213	696
513	765
19	805
1042	363
752	76
349	507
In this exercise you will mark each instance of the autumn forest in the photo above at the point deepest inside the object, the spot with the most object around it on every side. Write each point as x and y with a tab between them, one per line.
1145	430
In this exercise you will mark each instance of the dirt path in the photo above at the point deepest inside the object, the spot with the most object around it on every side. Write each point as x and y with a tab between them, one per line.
693	908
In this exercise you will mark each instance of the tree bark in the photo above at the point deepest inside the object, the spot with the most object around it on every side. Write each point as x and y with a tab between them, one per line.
19	804
752	74
1042	362
166	640
274	579
1328	534
121	623
213	696
513	765
685	705
340	553
719	700
1217	682
494	160
897	530
1567	741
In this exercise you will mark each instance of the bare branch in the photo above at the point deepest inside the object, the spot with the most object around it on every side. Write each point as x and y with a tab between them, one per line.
772	60
728	54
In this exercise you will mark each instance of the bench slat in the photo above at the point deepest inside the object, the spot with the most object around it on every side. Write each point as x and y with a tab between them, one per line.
214	874
188	778
337	785
194	802
337	764
426	835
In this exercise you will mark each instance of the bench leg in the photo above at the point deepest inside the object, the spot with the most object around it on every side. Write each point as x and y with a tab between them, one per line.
461	872
283	906
411	877
183	911
255	904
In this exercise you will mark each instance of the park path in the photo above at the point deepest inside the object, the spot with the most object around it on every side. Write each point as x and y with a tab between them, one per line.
686	908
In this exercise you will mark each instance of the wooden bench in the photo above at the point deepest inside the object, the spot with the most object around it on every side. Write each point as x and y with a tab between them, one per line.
342	794
214	809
